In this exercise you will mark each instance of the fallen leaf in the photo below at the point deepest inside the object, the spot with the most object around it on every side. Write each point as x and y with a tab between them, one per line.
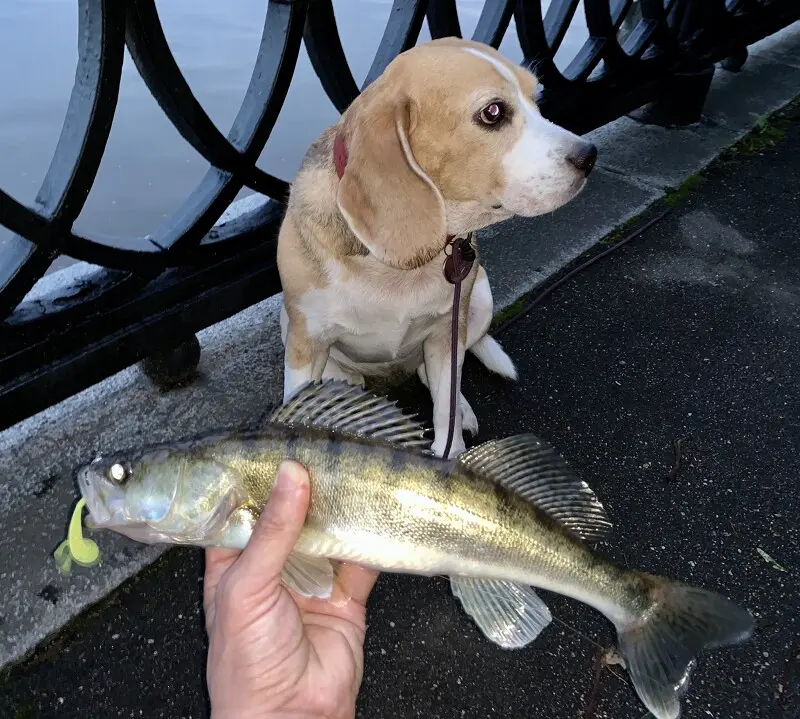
770	560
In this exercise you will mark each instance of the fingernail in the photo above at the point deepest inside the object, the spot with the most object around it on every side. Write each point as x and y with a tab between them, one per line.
290	478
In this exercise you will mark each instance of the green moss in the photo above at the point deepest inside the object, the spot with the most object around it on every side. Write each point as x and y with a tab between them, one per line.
768	131
615	236
684	190
508	312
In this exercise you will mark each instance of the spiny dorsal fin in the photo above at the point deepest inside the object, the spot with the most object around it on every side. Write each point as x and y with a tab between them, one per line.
533	470
349	409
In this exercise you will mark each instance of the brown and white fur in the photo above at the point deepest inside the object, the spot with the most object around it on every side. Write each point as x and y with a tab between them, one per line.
361	257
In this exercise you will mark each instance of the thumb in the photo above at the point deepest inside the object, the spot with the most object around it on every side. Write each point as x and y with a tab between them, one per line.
278	527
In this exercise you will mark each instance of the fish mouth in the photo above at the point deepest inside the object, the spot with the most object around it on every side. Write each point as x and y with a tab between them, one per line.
99	512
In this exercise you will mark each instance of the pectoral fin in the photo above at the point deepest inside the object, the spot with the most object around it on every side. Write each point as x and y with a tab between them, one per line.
308	576
511	615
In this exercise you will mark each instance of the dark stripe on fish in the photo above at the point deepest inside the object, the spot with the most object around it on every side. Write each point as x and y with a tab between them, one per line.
335	446
398	460
503	498
292	439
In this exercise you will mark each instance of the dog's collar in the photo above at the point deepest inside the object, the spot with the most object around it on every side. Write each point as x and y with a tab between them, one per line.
340	157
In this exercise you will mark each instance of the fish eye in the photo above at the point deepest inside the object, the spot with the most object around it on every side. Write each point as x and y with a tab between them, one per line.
119	473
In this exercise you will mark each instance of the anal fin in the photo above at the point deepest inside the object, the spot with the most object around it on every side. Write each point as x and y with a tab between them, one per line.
511	615
308	576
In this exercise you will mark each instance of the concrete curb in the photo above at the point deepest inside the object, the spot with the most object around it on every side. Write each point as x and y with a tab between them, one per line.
242	357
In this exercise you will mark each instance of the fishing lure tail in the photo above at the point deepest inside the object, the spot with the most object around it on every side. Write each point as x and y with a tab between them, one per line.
76	548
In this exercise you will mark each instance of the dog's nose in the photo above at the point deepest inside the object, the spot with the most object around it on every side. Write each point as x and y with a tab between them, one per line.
583	156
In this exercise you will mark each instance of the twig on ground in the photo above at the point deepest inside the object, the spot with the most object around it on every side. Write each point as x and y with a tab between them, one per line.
677	445
604	659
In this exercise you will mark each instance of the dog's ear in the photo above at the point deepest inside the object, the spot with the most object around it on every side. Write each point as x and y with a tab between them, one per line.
390	204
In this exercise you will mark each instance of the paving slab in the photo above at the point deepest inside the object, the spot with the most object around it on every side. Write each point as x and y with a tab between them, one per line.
783	45
665	157
657	156
691	331
760	91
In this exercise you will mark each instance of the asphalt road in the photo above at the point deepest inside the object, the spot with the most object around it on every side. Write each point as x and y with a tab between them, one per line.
692	330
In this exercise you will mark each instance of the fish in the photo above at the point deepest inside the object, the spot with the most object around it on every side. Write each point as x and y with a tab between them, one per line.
501	519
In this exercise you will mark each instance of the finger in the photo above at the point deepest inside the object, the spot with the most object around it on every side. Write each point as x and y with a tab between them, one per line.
278	528
357	582
220	558
218	561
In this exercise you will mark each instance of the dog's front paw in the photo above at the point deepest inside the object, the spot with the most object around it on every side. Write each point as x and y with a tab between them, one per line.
468	419
456	447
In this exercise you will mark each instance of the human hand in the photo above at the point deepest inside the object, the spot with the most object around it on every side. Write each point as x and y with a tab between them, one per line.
273	653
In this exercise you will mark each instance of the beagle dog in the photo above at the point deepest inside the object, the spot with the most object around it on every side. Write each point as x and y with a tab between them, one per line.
448	140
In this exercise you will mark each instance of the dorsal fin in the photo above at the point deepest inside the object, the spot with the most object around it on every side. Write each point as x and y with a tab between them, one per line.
349	409
531	468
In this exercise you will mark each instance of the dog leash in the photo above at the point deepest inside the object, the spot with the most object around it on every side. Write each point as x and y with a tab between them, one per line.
456	269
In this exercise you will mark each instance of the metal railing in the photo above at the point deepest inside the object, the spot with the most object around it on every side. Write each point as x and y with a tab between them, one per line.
191	272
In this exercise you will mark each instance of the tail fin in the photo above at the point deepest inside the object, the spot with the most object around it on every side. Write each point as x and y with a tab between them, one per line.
491	354
660	647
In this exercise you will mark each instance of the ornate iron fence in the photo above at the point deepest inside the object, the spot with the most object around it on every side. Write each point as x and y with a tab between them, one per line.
191	272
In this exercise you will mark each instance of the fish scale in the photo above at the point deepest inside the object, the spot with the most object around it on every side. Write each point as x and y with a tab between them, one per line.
500	519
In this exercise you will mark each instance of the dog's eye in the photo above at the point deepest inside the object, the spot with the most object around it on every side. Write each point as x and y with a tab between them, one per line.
492	114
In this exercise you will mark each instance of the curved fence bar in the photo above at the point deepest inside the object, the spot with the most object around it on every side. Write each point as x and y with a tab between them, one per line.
654	57
652	31
493	22
402	31
269	84
150	52
324	47
443	19
101	37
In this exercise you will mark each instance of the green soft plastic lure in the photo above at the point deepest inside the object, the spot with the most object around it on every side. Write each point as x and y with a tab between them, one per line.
76	548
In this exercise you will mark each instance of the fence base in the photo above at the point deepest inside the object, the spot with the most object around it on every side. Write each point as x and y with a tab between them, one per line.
174	367
735	61
681	101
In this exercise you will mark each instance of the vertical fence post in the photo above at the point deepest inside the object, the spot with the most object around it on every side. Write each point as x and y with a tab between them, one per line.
736	60
174	367
697	25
